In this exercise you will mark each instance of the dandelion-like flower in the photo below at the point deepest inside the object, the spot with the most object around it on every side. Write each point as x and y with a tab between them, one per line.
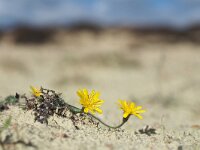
130	108
36	92
90	102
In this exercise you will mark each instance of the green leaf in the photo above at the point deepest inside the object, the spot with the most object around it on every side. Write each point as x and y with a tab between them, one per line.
6	124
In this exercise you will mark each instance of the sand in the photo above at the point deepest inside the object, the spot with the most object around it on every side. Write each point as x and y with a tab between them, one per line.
161	76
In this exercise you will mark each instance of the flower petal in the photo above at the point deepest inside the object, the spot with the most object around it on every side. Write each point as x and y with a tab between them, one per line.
90	102
140	111
139	116
86	110
125	114
99	110
130	108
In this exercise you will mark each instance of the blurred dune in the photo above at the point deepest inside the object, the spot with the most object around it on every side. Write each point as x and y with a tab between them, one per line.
34	35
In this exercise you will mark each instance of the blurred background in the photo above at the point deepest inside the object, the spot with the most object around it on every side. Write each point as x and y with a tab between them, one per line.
147	51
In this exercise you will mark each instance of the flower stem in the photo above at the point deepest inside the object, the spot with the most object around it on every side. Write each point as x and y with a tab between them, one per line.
113	127
76	110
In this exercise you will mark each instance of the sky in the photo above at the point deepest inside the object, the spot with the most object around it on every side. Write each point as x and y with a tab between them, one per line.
175	13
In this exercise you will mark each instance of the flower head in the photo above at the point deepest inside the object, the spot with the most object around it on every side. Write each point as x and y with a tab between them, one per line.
90	102
130	108
36	92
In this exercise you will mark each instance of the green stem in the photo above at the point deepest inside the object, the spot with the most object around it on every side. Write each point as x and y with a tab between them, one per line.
113	127
76	110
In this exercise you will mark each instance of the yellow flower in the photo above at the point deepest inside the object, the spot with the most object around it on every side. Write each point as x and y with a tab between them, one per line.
90	102
36	92
130	108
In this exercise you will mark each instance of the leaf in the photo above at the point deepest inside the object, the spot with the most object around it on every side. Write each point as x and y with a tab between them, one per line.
6	124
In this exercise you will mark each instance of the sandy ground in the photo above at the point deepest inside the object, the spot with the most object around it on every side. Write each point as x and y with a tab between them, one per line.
163	77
